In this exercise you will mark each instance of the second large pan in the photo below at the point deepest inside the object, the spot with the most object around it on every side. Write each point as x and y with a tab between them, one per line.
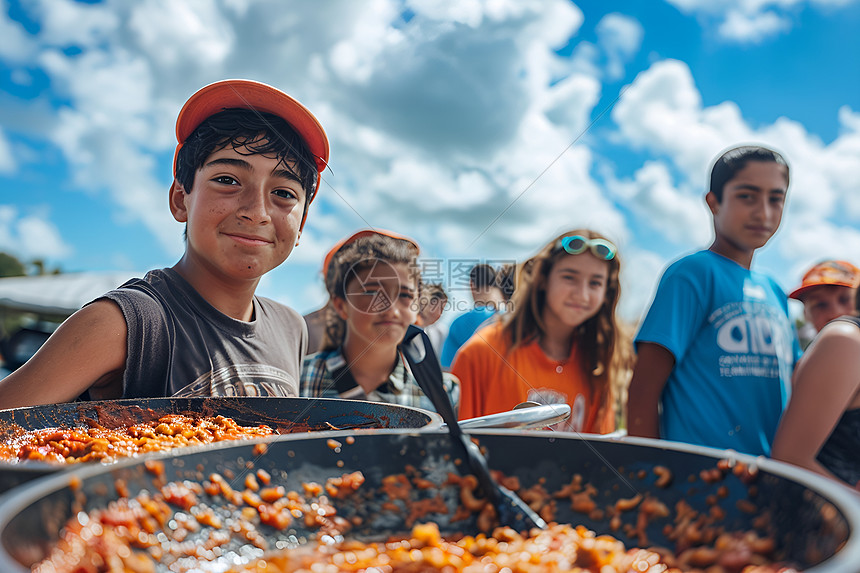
813	522
285	415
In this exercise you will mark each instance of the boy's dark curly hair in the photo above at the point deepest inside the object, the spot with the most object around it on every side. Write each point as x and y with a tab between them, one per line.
249	132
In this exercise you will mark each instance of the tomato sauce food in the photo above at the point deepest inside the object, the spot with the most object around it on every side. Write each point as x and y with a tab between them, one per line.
98	443
189	525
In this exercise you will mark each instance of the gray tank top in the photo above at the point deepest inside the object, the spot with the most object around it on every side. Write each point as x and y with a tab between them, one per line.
180	345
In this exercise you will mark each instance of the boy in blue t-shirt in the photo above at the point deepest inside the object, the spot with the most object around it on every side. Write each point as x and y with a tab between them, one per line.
716	349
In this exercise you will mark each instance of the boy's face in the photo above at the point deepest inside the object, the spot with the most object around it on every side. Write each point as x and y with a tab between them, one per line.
823	303
752	205
243	214
433	311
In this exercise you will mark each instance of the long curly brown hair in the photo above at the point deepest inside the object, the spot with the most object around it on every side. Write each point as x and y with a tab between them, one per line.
597	338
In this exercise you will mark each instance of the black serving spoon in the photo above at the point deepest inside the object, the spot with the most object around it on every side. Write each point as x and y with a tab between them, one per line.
513	511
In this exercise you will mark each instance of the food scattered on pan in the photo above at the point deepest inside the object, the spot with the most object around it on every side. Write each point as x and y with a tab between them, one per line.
193	524
103	444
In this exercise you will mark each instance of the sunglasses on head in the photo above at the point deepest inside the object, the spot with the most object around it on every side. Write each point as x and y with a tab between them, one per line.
577	244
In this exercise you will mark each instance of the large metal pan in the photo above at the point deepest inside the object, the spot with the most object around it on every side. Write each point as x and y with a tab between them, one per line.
285	415
814	522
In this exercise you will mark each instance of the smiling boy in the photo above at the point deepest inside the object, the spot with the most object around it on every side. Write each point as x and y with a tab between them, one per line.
246	168
716	349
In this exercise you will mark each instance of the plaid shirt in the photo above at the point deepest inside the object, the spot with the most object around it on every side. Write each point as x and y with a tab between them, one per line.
326	375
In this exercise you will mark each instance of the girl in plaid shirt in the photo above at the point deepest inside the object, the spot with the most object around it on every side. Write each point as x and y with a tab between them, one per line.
373	282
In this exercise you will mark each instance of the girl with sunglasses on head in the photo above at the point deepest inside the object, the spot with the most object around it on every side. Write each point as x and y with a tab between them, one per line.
560	342
373	283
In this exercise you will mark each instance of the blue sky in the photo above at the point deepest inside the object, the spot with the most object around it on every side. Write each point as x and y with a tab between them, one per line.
480	128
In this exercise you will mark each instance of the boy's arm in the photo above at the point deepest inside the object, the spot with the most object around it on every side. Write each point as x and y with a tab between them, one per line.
87	351
654	363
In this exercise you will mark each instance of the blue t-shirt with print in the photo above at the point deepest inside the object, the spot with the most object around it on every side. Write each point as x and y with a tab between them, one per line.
734	347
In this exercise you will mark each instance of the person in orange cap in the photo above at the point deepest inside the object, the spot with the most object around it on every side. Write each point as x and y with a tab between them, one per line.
820	429
316	320
827	292
246	168
373	282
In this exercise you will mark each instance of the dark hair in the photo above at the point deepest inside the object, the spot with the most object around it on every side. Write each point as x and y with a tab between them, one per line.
506	280
259	133
433	290
352	258
729	163
482	276
428	292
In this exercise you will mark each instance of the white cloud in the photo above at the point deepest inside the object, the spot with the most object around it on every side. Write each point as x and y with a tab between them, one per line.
67	23
8	214
403	101
843	160
416	137
680	215
30	236
40	238
453	122
16	45
620	37
187	35
468	12
662	111
585	60
569	103
640	273
662	114
752	28
815	239
751	21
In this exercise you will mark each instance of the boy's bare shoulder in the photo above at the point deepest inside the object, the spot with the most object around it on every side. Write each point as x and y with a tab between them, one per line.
96	333
88	348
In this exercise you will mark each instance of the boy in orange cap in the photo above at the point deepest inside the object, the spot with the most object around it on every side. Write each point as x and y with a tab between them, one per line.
827	292
246	168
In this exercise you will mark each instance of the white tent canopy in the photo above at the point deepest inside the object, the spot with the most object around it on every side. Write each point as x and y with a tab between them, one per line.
61	294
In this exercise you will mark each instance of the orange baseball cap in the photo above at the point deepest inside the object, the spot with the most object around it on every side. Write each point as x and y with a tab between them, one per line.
248	94
357	235
838	273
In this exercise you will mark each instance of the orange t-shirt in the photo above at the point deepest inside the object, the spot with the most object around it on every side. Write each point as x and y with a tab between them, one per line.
493	380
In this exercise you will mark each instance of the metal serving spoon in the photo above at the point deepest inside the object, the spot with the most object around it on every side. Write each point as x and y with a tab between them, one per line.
418	351
523	416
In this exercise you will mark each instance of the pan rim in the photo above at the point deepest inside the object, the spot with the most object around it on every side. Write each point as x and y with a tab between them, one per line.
15	501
